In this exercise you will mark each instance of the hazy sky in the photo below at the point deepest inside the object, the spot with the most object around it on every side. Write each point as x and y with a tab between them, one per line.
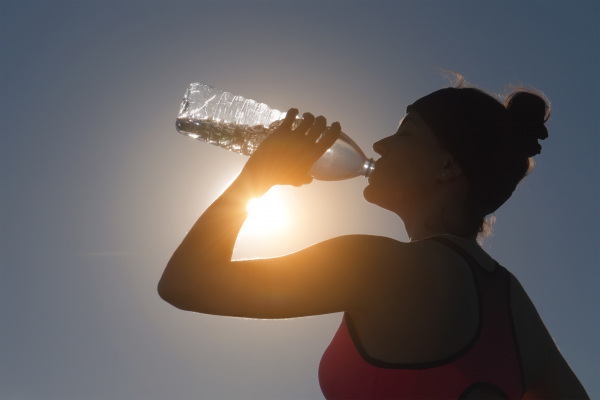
98	189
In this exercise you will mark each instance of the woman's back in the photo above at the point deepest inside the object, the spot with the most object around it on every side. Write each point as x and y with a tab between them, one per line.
444	317
442	297
438	332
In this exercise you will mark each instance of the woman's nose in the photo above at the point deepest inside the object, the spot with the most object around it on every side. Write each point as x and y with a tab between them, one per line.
380	146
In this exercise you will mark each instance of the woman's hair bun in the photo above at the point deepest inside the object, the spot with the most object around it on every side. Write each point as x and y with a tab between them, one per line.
527	114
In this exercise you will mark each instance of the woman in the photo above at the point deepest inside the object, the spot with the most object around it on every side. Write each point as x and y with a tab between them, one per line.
432	318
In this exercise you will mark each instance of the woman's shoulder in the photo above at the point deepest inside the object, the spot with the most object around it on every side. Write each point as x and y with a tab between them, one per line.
465	248
364	247
419	262
388	252
427	247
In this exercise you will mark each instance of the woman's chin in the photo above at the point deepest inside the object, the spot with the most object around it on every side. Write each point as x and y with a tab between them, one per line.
381	198
368	193
372	195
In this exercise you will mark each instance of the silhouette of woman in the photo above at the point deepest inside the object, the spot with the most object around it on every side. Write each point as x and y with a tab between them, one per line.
436	317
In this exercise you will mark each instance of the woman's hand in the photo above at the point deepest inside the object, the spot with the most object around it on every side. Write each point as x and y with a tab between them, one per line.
286	156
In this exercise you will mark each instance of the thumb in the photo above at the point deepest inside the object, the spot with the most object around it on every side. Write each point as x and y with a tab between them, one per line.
329	137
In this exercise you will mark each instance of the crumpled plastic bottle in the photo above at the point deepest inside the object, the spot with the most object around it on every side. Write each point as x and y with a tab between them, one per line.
239	124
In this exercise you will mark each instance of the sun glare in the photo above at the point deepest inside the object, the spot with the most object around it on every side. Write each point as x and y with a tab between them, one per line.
266	215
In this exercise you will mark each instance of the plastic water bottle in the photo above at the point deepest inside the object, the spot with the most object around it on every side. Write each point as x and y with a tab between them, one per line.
239	124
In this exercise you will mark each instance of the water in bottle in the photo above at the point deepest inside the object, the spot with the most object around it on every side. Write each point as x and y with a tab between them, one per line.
239	124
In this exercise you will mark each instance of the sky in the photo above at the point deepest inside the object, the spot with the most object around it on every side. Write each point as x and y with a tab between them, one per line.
98	189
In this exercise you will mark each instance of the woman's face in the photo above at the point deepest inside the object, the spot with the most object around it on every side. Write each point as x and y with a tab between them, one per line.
409	168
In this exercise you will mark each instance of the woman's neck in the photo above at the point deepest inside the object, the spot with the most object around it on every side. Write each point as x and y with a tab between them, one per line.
418	228
442	215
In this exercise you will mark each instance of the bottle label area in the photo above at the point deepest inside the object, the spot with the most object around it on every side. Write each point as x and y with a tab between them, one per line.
242	139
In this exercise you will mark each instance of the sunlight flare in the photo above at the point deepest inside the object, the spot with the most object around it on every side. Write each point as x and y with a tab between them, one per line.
266	215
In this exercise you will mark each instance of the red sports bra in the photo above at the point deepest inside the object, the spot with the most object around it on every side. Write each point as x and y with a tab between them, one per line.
490	362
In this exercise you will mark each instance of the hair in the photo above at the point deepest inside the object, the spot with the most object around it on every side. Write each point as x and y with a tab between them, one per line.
493	142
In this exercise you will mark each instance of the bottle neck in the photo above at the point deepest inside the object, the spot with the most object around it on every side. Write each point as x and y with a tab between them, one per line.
368	168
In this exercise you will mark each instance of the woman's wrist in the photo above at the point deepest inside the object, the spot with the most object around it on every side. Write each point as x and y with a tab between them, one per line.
250	185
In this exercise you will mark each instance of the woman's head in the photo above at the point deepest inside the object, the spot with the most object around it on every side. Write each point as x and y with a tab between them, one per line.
409	168
491	142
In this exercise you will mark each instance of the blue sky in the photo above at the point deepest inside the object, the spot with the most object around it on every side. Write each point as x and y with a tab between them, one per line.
98	188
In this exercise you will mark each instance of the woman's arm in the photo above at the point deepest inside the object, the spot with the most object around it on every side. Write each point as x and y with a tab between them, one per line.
547	374
201	276
283	158
557	381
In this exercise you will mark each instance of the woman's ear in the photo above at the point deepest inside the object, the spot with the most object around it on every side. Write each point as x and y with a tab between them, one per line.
450	168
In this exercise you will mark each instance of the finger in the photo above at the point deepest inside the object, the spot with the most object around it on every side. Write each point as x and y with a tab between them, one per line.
329	137
303	181
317	129
308	179
289	119
307	121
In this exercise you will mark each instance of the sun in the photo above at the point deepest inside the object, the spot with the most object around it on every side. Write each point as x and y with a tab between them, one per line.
267	215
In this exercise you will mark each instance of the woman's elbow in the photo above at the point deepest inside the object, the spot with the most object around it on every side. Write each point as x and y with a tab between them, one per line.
165	291
181	295
170	293
170	284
